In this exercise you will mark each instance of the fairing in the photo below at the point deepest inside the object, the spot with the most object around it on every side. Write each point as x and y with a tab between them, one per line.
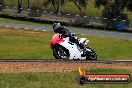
56	40
74	51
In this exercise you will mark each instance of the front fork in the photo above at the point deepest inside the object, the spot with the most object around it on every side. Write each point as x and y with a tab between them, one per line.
85	49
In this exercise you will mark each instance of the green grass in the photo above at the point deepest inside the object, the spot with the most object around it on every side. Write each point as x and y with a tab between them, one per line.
29	44
23	22
111	49
20	44
57	80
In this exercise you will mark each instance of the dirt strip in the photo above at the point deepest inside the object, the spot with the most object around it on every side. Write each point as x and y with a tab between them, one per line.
14	67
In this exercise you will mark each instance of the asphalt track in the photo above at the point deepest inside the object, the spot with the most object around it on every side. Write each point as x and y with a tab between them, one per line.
119	35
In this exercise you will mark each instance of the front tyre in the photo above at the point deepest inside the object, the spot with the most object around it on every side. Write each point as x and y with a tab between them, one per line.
90	54
60	52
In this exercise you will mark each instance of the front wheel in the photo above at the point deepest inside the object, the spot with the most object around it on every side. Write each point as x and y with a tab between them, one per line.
90	54
60	52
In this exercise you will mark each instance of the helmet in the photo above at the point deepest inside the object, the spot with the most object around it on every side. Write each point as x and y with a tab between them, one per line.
56	27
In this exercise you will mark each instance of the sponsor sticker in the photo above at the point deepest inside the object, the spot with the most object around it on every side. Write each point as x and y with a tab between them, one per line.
119	78
102	78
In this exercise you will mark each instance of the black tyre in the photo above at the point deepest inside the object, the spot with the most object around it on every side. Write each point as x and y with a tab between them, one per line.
60	52
81	80
90	54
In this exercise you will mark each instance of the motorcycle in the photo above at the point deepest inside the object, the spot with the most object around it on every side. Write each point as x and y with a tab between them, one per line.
64	49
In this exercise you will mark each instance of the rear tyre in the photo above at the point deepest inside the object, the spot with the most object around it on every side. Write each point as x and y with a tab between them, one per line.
60	52
90	54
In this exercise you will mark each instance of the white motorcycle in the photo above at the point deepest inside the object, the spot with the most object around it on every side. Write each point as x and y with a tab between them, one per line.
67	50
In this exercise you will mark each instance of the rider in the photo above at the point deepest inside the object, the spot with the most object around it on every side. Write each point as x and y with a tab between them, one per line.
64	33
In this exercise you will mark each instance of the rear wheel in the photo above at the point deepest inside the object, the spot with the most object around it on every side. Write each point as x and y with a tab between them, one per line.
90	54
60	52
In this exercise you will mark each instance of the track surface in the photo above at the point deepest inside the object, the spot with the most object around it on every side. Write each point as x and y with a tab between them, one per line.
18	66
77	30
72	61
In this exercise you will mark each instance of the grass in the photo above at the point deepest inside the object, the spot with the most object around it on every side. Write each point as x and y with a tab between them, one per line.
20	44
29	44
57	80
111	49
23	22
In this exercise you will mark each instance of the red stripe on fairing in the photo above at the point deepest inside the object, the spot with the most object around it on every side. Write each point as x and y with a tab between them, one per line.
56	40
